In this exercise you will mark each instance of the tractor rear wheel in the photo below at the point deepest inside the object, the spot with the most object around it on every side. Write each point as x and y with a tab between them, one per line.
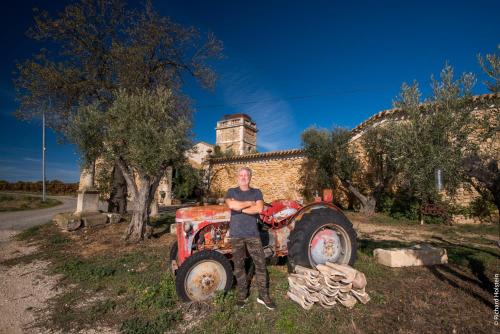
202	275
322	235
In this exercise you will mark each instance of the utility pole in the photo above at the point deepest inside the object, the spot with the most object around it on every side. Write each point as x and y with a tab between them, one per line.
43	154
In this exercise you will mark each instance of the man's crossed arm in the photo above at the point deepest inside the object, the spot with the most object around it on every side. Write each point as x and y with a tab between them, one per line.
248	207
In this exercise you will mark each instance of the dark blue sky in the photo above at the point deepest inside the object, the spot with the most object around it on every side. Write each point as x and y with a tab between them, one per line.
306	63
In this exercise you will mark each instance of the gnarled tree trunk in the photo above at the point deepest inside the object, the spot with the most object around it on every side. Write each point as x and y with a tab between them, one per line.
143	188
118	197
487	173
136	228
368	203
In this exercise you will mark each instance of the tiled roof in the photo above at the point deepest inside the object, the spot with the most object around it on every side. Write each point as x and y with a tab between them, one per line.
392	112
264	155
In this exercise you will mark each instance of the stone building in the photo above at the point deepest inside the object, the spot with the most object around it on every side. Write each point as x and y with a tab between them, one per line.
276	173
236	133
198	153
196	157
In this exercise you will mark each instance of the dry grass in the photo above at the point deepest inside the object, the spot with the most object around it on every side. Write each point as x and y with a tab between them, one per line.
18	202
136	295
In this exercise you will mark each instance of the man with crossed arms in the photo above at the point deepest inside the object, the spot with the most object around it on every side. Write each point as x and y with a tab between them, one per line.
246	203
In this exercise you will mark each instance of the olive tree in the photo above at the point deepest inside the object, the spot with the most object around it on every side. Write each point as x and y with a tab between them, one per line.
482	166
381	172
143	132
92	48
331	163
434	135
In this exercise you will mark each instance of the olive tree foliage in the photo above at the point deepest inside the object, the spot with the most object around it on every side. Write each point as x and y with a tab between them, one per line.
381	172
490	64
143	131
330	163
94	47
187	181
483	166
433	135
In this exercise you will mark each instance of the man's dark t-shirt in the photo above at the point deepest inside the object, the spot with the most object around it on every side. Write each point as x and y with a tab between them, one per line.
243	225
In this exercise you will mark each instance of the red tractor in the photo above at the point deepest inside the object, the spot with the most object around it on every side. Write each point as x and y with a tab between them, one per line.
308	235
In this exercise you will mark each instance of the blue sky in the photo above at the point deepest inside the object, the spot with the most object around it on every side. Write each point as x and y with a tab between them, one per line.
305	63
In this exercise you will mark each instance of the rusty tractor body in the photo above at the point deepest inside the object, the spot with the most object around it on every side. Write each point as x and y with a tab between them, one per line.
307	235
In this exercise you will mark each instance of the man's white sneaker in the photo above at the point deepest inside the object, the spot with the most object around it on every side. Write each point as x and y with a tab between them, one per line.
268	303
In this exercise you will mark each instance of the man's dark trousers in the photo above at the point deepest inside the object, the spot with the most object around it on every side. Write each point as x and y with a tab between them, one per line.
254	247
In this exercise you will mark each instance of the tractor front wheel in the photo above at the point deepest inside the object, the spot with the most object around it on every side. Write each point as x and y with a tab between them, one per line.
202	275
173	256
322	235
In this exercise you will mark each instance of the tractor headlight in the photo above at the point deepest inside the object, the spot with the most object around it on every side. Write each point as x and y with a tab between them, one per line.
187	227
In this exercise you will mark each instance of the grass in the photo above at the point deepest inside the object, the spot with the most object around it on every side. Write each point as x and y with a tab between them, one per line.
18	202
129	287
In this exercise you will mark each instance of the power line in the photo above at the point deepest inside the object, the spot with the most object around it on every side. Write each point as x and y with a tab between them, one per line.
289	98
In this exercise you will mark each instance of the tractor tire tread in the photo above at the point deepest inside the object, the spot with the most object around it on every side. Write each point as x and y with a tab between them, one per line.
184	269
304	228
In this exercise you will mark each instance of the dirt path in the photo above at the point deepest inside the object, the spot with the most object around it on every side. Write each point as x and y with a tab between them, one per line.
367	230
24	288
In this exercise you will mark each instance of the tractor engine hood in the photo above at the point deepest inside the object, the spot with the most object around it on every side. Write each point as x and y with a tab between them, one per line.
207	213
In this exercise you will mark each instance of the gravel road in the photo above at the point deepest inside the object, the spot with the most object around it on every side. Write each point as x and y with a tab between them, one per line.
19	220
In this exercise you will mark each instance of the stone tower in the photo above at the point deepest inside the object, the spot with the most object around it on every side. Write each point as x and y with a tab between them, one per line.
237	133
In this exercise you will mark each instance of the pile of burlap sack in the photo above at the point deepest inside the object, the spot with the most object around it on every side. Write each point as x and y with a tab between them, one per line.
328	285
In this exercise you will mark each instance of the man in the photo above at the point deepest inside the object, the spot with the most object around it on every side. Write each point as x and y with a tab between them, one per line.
246	203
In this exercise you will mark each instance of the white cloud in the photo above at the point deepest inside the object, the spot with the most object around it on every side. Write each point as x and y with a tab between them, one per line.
272	114
32	159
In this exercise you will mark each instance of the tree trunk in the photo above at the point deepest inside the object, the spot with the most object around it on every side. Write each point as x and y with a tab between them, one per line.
143	189
368	203
136	228
118	197
488	175
496	200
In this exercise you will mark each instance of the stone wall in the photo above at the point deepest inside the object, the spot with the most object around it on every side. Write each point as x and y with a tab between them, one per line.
277	173
466	194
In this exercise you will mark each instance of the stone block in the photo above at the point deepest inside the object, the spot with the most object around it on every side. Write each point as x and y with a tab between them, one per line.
94	219
114	218
87	201
67	221
418	255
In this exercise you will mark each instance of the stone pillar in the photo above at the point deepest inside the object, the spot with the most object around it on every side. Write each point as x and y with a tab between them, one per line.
153	209
168	188
164	191
88	196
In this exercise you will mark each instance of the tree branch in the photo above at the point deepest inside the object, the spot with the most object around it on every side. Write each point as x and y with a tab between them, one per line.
128	176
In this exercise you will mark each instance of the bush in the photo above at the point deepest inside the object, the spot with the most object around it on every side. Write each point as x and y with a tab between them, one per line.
398	205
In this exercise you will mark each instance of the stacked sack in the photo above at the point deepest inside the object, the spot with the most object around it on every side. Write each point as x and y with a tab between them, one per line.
329	284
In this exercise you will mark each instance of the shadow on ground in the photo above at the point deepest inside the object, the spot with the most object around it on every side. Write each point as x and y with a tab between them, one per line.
469	268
